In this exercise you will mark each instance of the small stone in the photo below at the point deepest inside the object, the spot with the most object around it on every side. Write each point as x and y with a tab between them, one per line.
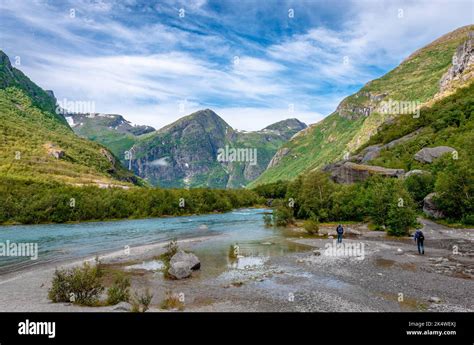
435	299
123	306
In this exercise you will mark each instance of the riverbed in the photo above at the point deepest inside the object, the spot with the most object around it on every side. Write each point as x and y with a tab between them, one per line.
277	270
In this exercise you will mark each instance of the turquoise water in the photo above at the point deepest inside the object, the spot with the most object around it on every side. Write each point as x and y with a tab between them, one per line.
57	242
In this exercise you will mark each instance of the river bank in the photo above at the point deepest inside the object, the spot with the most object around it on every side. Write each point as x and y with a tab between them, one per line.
286	273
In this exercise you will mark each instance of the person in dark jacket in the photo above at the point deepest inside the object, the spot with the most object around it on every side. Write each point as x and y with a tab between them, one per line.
340	232
419	239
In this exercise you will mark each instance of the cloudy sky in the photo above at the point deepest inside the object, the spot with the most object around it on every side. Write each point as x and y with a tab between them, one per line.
253	62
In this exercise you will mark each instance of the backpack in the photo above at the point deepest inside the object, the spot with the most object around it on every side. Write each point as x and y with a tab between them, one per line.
421	237
340	230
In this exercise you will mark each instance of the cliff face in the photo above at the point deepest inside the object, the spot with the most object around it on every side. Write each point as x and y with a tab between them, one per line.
202	150
462	68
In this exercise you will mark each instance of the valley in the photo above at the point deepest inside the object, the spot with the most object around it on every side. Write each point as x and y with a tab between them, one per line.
139	199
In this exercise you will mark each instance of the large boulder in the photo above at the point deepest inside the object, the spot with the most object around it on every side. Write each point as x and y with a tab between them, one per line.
370	152
349	172
182	264
373	151
428	154
430	208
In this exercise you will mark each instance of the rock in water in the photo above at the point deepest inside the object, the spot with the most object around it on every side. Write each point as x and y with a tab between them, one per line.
182	264
428	154
430	208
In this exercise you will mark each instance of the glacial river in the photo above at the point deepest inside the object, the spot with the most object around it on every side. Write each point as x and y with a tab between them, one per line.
59	242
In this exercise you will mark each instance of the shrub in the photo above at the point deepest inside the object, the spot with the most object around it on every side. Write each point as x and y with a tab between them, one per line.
141	301
455	189
468	219
80	285
419	186
315	195
267	220
119	291
275	190
233	251
282	216
173	301
171	249
311	226
399	220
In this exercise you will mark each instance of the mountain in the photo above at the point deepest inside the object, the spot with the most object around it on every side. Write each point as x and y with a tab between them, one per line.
425	77
12	77
186	152
110	130
36	143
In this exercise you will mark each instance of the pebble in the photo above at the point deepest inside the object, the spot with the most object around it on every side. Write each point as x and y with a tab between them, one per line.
435	299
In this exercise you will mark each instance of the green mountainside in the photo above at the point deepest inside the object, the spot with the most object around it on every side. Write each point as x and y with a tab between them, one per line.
36	143
424	77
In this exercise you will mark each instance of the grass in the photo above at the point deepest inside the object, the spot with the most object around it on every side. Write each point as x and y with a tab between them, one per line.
173	301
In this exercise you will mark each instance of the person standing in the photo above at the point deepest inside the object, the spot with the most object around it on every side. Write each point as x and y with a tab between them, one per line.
340	232
419	239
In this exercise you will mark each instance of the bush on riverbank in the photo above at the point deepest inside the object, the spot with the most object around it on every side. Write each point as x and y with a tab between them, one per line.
282	216
141	301
79	285
32	202
173	301
311	226
119	291
385	202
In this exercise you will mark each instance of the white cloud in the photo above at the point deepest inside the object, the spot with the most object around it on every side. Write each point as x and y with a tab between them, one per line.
144	71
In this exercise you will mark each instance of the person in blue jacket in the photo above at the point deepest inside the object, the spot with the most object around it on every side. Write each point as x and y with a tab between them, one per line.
419	239
340	232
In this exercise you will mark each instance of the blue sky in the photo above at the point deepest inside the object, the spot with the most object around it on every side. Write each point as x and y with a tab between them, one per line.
251	61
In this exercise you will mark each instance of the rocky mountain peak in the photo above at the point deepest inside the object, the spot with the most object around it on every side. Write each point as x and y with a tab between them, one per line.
288	124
